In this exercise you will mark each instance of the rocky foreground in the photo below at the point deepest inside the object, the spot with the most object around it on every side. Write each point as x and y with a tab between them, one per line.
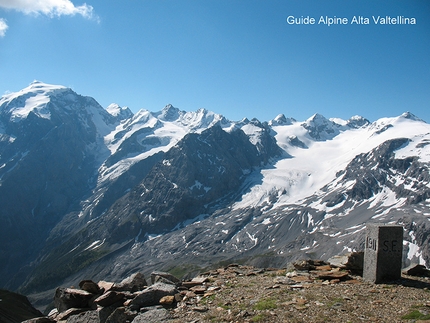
311	291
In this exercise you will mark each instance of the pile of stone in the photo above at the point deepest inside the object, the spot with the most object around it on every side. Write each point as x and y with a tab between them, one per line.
131	300
309	271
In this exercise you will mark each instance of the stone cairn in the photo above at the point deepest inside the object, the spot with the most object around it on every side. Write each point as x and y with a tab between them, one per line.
131	300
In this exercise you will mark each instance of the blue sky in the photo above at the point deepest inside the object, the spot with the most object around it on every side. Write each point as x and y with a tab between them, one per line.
239	58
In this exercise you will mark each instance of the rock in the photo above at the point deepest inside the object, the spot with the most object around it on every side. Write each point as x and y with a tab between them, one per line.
351	261
416	270
71	311
120	315
109	298
200	309
115	314
159	279
105	285
190	284
302	279
90	287
178	297
86	317
39	320
134	283
283	280
128	302
20	310
195	282
291	274
296	286
199	280
152	295
198	289
66	298
164	275
167	300
53	313
153	316
145	298
329	275
105	312
304	265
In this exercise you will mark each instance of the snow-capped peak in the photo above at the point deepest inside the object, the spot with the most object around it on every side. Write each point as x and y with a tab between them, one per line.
119	112
281	120
33	98
411	116
170	113
38	85
357	122
317	119
320	128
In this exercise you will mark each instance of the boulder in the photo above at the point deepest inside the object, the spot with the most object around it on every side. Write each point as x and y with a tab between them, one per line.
20	310
152	295
109	298
160	279
331	275
352	261
39	320
153	316
106	286
164	275
133	283
86	317
106	312
416	270
71	311
90	287
167	300
195	282
308	264
118	316
66	298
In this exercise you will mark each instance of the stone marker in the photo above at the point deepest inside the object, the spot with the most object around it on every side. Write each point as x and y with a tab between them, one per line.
383	253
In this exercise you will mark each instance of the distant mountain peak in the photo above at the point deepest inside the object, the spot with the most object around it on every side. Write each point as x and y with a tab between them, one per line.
357	122
169	113
38	86
281	120
411	116
320	128
32	99
316	118
119	112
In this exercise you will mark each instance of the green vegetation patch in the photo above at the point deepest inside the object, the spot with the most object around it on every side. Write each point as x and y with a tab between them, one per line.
259	318
416	315
265	304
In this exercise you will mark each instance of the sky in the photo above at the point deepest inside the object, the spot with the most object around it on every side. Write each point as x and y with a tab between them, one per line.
238	58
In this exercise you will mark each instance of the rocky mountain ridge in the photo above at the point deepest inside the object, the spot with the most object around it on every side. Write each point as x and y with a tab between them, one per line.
97	192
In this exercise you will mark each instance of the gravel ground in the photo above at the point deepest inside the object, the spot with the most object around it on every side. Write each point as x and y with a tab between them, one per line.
247	294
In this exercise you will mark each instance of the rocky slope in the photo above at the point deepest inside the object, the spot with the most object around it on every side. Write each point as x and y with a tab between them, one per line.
311	291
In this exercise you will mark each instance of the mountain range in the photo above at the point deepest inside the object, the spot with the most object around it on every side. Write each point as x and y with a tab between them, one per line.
87	191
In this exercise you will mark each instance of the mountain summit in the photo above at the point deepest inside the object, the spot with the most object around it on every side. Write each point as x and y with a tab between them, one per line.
88	191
